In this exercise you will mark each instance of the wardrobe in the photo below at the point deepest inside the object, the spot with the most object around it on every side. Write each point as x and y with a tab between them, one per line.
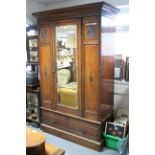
76	65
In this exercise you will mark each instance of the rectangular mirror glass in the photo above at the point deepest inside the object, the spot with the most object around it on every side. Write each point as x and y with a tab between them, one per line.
66	62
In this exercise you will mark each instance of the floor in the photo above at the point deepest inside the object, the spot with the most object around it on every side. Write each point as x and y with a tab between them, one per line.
72	148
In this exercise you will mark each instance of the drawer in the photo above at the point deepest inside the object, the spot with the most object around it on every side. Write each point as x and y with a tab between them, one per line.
72	125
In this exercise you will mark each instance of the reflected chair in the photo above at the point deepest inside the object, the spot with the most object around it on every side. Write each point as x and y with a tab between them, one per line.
67	90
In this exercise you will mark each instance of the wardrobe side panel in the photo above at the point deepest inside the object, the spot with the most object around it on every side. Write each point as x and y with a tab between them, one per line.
91	43
107	59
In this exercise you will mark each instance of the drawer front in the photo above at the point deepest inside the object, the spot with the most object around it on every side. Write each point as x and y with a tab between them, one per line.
71	125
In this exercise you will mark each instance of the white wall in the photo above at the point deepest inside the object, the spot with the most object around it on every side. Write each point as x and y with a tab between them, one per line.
30	8
79	2
121	95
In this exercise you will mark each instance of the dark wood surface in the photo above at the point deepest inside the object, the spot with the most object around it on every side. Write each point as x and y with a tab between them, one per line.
73	12
73	125
33	88
85	124
96	145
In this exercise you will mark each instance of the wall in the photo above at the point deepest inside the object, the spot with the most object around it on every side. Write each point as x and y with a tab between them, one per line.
121	95
30	8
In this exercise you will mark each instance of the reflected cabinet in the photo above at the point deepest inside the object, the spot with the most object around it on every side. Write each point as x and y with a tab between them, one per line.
76	60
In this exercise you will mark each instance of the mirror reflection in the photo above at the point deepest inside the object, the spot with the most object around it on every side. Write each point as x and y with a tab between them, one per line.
66	59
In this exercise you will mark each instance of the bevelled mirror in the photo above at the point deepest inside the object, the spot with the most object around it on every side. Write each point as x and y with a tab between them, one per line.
66	62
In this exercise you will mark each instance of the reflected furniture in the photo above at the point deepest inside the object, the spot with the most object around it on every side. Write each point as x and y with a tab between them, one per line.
64	76
67	91
79	39
68	94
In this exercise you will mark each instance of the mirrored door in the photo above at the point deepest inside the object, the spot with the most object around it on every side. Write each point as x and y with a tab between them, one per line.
67	65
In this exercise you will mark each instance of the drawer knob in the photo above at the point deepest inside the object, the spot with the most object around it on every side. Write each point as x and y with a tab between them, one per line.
83	131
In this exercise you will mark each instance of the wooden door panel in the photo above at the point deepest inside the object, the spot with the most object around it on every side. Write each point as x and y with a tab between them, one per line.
91	78
45	74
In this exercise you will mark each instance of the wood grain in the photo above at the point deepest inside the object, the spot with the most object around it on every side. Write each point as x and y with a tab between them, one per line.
95	73
45	76
34	138
91	85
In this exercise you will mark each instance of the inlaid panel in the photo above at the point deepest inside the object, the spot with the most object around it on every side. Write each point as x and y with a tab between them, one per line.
44	34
